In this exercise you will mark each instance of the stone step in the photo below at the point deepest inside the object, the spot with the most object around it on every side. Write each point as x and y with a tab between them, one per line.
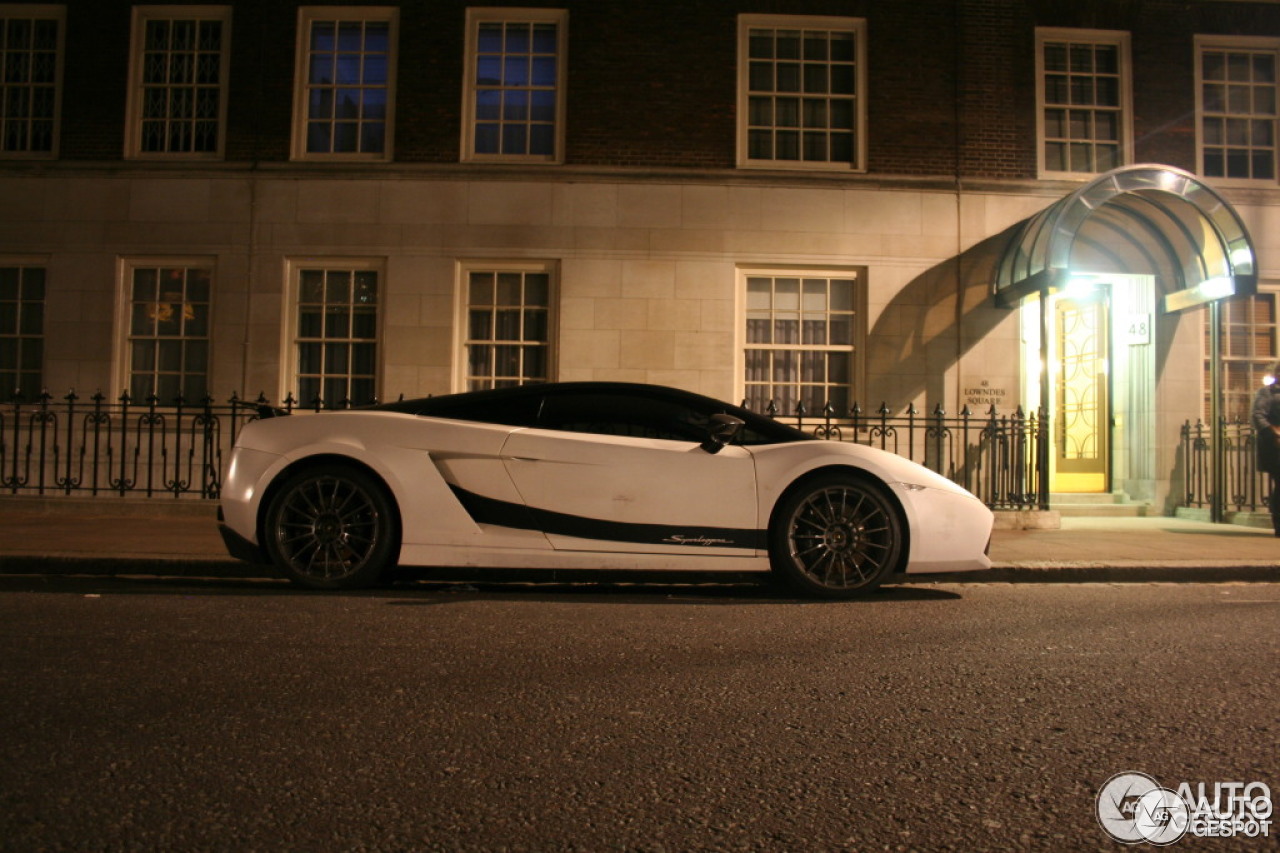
1090	498
1087	510
1099	505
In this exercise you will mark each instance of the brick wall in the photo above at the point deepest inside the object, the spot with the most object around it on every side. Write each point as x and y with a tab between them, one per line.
653	83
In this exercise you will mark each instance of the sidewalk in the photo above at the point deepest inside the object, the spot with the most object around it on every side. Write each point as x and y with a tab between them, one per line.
180	538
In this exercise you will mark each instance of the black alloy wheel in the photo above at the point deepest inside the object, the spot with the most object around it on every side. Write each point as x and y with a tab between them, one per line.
836	535
331	526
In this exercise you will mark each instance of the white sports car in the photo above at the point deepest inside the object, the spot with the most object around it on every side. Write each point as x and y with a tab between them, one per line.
602	476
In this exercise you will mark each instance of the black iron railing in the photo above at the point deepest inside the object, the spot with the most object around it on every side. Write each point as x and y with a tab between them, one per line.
99	446
992	455
1245	488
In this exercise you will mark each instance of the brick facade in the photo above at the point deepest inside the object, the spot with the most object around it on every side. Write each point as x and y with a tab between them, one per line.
653	84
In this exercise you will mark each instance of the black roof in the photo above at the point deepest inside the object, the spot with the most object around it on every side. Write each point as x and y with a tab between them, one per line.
523	405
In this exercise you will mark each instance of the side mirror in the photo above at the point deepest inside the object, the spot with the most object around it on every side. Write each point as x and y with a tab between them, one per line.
722	430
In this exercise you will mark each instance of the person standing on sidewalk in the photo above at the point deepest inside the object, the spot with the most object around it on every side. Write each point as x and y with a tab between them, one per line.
1266	423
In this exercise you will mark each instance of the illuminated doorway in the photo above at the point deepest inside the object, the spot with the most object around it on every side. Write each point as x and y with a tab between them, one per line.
1082	395
1101	409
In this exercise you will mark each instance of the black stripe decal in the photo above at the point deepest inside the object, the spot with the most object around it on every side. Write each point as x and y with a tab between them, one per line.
506	514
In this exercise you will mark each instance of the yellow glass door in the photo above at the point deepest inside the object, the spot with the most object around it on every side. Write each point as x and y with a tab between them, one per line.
1082	434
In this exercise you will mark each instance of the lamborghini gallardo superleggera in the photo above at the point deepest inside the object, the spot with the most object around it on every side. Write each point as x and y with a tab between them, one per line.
590	476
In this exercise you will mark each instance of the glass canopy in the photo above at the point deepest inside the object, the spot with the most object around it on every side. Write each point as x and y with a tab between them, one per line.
1145	219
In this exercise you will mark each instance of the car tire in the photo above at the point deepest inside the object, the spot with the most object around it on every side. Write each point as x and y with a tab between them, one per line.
836	535
331	526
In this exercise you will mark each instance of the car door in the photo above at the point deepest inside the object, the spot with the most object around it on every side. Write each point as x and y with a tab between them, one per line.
619	473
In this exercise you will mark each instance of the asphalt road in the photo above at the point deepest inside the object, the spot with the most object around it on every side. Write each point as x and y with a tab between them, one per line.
233	715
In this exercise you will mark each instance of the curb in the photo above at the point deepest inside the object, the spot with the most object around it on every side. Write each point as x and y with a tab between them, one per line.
108	506
1113	573
172	567
197	567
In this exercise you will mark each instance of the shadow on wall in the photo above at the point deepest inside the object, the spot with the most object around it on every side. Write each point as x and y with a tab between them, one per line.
925	329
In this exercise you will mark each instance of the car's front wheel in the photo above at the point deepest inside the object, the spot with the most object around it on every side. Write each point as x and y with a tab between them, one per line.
836	535
331	526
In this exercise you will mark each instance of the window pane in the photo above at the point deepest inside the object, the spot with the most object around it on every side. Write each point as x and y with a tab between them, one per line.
535	326
535	363
536	288
364	324
507	325
362	359
310	358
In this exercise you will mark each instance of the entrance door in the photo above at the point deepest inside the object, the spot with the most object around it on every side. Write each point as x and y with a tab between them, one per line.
1082	435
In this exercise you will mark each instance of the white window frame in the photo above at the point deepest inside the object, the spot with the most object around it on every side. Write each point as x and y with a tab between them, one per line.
1113	38
857	347
136	100
127	266
307	15
476	17
20	334
856	26
462	325
290	340
1204	44
48	12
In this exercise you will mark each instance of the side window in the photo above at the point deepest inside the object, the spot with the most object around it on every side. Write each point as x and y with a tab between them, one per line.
519	411
624	415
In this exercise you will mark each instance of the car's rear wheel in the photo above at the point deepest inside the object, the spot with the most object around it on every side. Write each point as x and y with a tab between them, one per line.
836	535
331	526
